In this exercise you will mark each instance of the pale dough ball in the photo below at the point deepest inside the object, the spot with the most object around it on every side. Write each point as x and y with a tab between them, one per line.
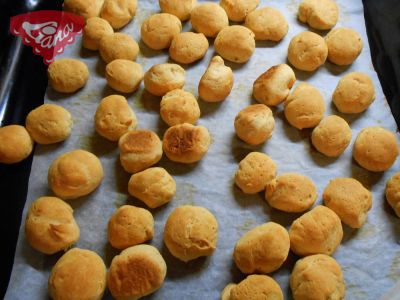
95	29
318	231
319	14
162	78
191	232
392	192
254	172
209	18
153	186
118	46
84	8
15	144
178	8
349	199
376	149
344	46
118	12
188	47
256	287
237	10
268	24
124	75
226	292
67	75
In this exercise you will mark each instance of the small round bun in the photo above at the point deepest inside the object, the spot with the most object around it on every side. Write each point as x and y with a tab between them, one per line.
209	18
317	275
118	46
136	272
256	287
178	8
376	149
263	249
318	231
178	107
50	225
124	75
95	29
349	199
273	86
186	143
15	144
226	292
268	24
162	78
84	8
118	12
191	232
139	149
254	172
154	186
392	193
130	225
188	47
237	10
354	93
67	75
307	51
344	46
158	30
78	274
319	14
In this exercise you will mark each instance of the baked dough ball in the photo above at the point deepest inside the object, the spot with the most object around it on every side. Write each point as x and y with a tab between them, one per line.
226	292
130	225
186	143
178	8
254	172
307	51
15	144
237	10
118	12
95	29
317	277
124	75
273	86
139	149
162	78
349	199
154	186
354	93
217	81
291	192
84	8
78	274
191	232
318	231
75	174
376	149
209	18
158	30
118	46
67	75
268	24
50	225
255	124
257	287
178	107
136	272
188	47
392	192
319	14
235	43
344	46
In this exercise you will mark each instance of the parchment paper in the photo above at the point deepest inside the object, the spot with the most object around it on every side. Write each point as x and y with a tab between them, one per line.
370	256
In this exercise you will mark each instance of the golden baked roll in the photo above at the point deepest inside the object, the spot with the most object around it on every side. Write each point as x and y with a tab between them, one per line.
209	18
84	8
392	192
257	287
75	174
50	225
124	75
95	29
344	46
118	46
237	10
162	78
226	292
178	8
267	23
15	144
319	14
118	12
191	232
67	75
188	47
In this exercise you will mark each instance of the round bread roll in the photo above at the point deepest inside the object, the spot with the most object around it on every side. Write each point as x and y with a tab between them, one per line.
188	47
118	46
130	225
344	46
186	143
78	274
162	78
226	292
217	81
154	186
317	275
255	124
354	93
84	8
158	30
263	249
95	29
331	136
124	75
139	149
15	144
349	199
307	51
178	8
273	86
178	107
319	14
118	12
136	272
392	192
256	287
209	18
49	124
318	231
254	172
67	75
237	10
50	225
291	192
191	232
268	24
376	149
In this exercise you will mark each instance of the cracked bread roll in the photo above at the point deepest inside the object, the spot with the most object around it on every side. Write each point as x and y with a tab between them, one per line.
237	10
178	8
344	46
124	75
226	292
319	14
162	78
84	8
118	12
392	192
209	18
256	287
188	47
95	29
268	24
15	144
67	75
118	46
